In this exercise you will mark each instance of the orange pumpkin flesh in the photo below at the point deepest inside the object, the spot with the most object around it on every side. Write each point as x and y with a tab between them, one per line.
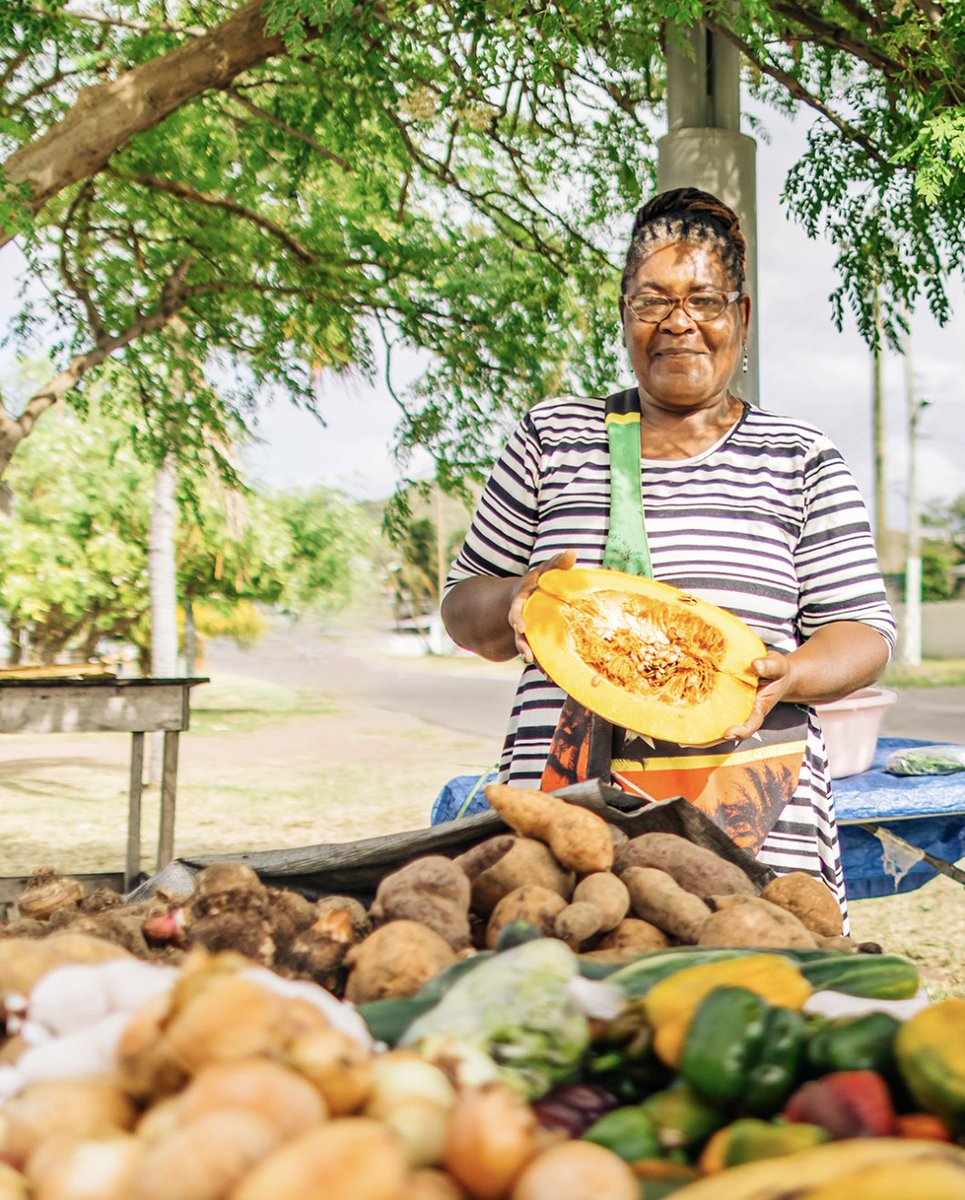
645	655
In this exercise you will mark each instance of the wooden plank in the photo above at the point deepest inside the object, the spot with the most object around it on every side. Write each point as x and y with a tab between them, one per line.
133	861
98	707
169	777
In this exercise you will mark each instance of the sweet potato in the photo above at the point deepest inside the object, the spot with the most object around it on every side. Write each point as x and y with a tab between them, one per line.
656	897
433	891
395	960
537	905
524	861
633	936
809	899
579	838
750	921
695	868
600	902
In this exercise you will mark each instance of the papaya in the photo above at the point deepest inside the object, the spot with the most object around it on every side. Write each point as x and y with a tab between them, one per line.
644	655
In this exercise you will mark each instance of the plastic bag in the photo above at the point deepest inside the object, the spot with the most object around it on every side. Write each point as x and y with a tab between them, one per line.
926	760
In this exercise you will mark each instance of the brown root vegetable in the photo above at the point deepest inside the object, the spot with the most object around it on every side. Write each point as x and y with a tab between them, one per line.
351	1158
480	858
577	924
81	1169
579	838
525	861
432	890
230	909
634	936
318	952
493	1133
113	925
427	1183
291	912
695	868
847	945
27	927
395	960
206	1158
226	1019
576	1170
537	905
80	1108
809	899
656	897
272	1091
47	892
608	894
753	923
336	1065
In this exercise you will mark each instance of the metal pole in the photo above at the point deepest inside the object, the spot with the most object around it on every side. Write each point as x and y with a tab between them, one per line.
911	639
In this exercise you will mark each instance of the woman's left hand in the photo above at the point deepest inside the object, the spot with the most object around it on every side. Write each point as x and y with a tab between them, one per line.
774	682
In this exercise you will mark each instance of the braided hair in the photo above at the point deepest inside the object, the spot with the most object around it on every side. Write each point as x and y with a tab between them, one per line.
687	215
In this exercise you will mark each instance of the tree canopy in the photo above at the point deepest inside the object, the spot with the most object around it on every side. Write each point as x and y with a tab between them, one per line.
266	191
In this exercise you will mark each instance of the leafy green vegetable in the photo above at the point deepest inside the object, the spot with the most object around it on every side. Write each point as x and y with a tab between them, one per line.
926	760
519	1009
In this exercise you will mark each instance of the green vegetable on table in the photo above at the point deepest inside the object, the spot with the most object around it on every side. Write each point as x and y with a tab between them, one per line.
519	1008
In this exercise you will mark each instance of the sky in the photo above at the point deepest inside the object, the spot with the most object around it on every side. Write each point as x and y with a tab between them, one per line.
808	369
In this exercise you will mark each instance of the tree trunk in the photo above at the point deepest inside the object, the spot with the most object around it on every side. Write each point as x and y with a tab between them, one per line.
190	640
105	117
162	566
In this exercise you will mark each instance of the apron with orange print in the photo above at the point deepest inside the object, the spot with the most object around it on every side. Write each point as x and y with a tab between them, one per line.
742	786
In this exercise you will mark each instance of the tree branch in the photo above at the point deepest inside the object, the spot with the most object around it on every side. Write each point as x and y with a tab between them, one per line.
105	117
839	38
278	123
95	18
184	192
13	430
800	92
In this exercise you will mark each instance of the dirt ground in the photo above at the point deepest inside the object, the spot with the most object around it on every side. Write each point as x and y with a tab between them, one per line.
275	764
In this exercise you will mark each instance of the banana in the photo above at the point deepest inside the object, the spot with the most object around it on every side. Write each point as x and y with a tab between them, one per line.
800	1176
939	1175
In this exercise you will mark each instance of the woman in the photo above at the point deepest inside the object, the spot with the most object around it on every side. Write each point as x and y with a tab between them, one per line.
757	513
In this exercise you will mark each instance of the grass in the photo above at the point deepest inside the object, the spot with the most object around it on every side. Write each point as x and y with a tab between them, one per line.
935	672
235	705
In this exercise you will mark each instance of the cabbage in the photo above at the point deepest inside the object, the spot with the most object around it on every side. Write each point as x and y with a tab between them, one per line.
520	1008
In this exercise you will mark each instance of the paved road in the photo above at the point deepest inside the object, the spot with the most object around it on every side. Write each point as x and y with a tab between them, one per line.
478	702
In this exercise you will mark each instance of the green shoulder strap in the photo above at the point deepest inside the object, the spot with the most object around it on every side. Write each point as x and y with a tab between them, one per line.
627	548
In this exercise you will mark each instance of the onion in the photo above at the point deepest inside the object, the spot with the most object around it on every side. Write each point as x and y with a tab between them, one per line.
337	1065
63	1169
272	1091
576	1170
422	1126
84	1108
402	1075
492	1135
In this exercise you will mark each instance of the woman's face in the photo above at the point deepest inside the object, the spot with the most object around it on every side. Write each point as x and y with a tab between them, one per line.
682	364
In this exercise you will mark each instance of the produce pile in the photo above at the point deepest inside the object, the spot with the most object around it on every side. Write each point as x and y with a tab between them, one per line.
540	1019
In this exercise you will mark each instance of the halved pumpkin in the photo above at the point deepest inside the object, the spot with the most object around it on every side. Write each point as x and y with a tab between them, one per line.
645	655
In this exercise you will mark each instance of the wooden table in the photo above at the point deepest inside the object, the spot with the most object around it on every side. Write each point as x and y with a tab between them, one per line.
135	706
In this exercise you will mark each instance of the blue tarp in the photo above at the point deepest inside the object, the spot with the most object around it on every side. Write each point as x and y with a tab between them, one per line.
927	811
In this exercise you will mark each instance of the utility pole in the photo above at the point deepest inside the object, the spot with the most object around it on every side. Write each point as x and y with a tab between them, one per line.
911	633
878	429
704	148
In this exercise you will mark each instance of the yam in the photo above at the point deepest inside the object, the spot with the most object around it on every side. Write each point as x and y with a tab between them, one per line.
537	905
395	960
433	891
525	861
577	923
656	897
579	838
633	936
753	923
695	868
608	894
809	899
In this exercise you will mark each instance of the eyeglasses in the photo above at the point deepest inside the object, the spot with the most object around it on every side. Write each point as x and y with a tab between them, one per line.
699	306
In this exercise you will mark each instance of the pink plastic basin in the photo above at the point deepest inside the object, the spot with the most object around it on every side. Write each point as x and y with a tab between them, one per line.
851	726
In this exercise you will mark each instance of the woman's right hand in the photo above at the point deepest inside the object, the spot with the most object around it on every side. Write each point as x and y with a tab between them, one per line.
524	589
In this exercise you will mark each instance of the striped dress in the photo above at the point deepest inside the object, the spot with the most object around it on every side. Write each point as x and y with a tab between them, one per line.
767	523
